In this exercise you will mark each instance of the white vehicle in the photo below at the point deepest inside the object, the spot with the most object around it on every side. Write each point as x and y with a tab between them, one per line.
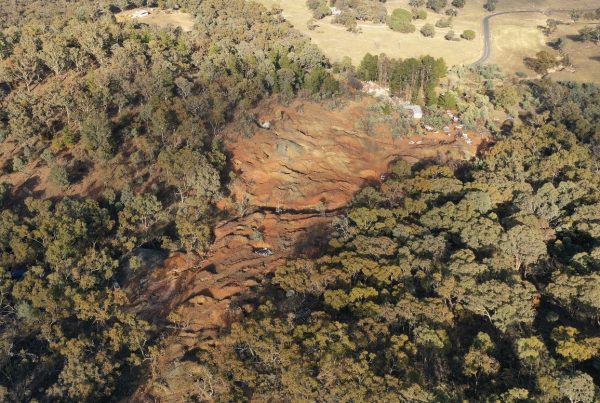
411	142
264	252
419	142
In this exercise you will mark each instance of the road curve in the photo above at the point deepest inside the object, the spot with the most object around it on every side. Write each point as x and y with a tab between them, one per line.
487	34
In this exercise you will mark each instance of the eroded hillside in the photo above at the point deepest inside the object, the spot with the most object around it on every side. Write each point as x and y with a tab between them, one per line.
309	156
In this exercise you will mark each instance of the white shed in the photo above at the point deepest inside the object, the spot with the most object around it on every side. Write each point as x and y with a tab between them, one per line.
416	110
140	14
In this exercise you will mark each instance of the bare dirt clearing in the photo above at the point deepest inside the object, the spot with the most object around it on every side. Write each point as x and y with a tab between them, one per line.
159	17
313	156
309	156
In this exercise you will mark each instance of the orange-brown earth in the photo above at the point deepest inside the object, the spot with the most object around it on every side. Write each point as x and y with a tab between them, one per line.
313	156
309	156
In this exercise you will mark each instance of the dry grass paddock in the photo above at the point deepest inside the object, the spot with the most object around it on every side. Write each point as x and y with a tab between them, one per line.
513	36
337	42
160	18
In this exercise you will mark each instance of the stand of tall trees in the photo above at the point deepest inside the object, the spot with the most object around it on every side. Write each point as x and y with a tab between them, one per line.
413	80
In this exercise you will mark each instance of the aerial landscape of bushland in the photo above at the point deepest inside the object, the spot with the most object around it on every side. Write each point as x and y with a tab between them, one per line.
321	200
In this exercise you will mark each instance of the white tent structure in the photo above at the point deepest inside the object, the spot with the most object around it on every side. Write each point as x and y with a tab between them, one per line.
416	110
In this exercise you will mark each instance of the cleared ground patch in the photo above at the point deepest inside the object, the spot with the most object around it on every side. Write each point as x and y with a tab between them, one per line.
159	17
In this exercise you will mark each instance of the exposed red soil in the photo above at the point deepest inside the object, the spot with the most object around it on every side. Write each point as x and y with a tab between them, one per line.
314	156
309	157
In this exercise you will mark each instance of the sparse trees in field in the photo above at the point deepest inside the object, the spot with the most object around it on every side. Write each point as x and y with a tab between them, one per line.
468	34
444	22
542	62
419	14
490	5
417	3
400	20
437	5
428	31
590	34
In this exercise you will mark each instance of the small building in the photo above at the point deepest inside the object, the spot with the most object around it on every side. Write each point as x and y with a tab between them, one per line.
140	14
416	110
335	11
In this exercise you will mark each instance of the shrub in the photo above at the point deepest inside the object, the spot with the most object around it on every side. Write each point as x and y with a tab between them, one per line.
543	61
458	3
5	189
18	165
448	100
444	23
436	117
416	3
428	30
347	19
319	8
48	156
419	14
468	34
59	175
450	36
437	5
490	5
400	21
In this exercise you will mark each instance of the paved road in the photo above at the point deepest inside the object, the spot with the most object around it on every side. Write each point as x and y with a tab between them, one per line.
487	34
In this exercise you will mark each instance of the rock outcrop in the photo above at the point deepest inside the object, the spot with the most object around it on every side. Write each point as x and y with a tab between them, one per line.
314	157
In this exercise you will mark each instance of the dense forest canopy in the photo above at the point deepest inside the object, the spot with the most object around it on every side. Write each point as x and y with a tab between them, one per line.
134	99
